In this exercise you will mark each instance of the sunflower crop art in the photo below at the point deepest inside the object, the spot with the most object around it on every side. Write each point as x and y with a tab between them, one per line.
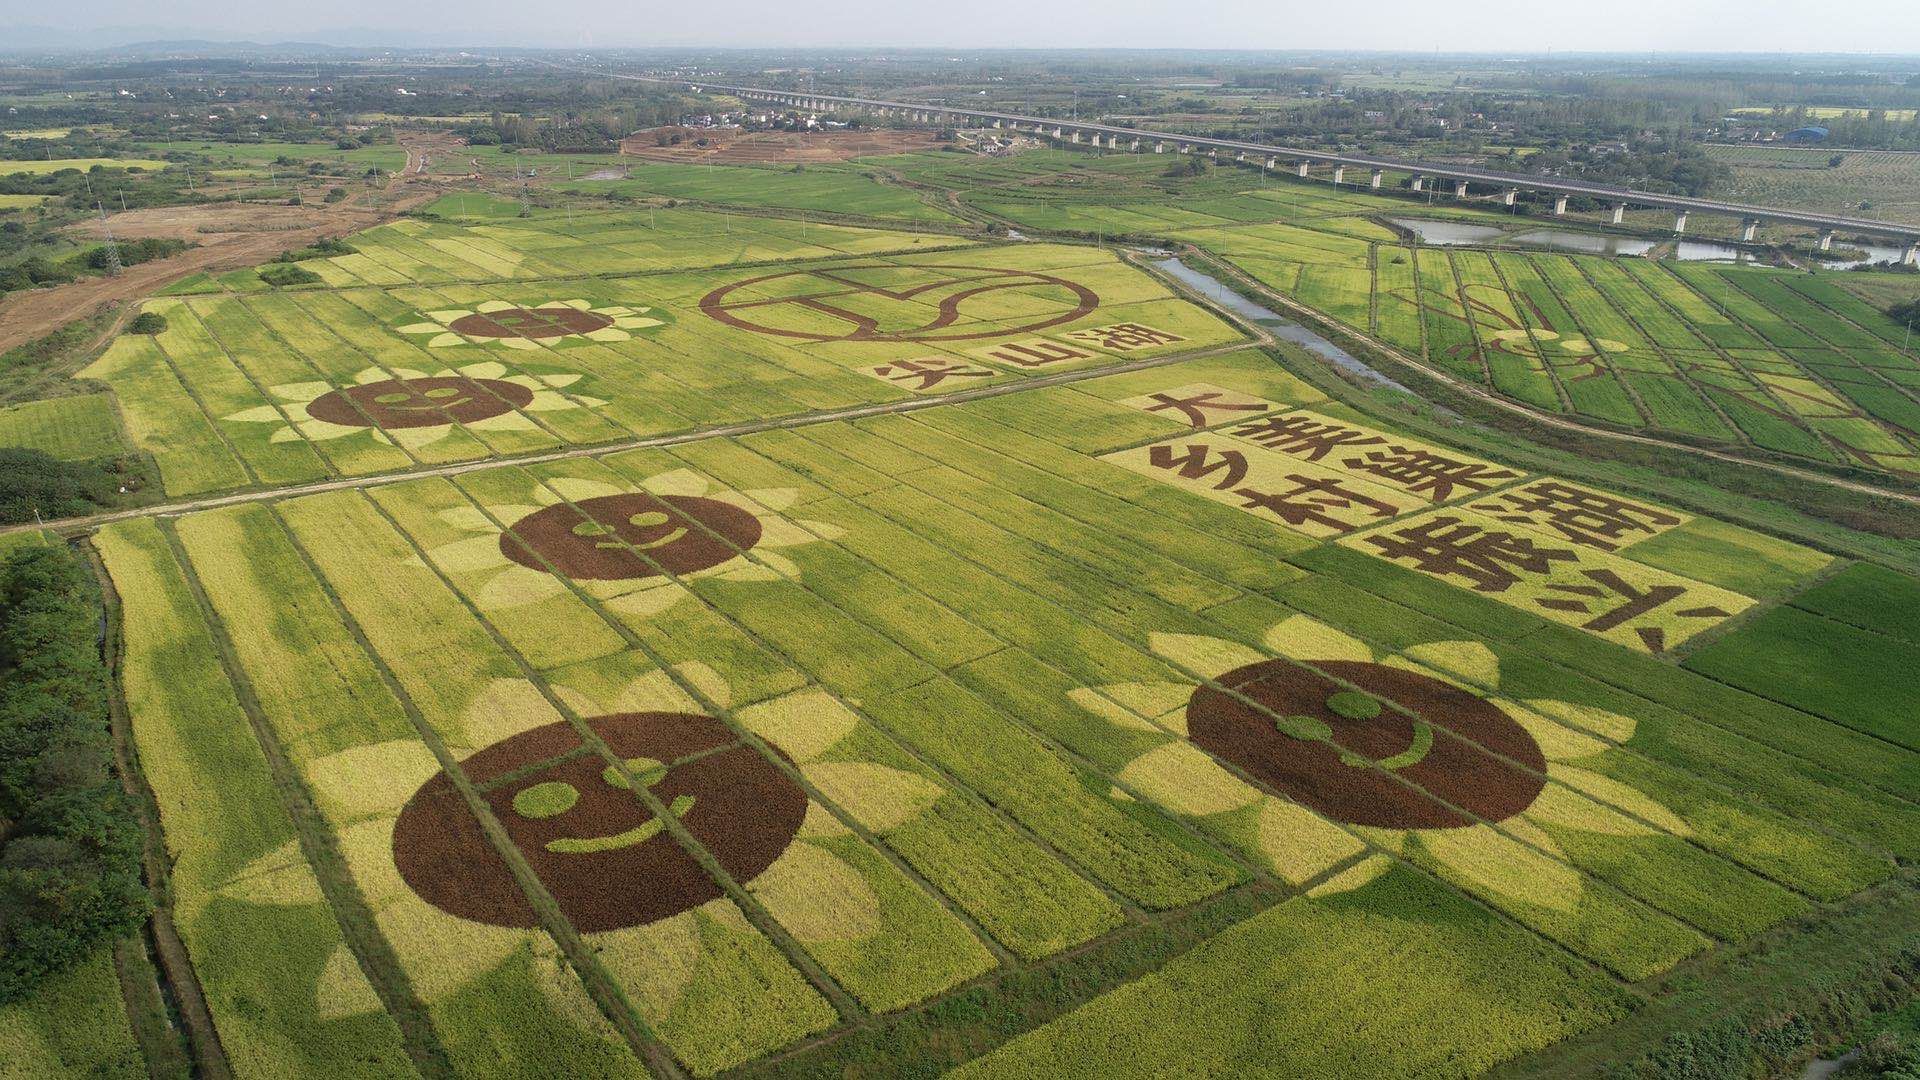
530	327
1462	777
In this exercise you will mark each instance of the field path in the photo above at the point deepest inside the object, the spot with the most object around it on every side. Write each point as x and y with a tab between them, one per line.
857	412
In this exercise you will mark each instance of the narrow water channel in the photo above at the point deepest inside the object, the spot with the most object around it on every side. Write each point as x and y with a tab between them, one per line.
1280	326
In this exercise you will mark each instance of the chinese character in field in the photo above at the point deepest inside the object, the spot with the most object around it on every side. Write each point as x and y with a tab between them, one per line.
1032	354
929	372
1196	406
1424	472
1304	436
1125	337
1311	500
1584	517
1490	559
1614	601
1195	463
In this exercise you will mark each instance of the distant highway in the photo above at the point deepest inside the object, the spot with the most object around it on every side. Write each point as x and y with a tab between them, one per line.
1505	182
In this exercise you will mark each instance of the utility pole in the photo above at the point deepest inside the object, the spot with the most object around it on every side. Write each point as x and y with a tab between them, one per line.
113	250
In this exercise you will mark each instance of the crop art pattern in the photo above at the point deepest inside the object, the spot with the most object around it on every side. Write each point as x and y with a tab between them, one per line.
1546	546
530	327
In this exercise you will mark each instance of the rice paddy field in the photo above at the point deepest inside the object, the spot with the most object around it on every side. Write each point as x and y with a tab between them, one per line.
630	643
1782	362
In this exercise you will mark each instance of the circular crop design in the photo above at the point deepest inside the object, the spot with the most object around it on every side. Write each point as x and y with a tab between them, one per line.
607	860
622	537
939	303
1316	741
419	402
554	321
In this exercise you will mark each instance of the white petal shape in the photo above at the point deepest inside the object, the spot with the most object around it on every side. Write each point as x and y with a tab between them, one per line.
803	724
822	530
486	369
259	414
1557	741
577	489
1182	778
421	328
1352	877
559	379
371	375
656	691
780	532
1305	638
1607	725
577	305
516	585
370	779
493	305
645	603
707	682
677	482
368	849
474	553
1562	806
548	401
816	896
608	333
1206	655
284	435
413	438
523	344
1624	796
505	707
1469	663
442	954
444	340
632	322
654	962
614	310
1127	705
820	822
1488	862
325	431
1301	845
737	569
301	392
511	421
343	989
878	796
771	498
281	877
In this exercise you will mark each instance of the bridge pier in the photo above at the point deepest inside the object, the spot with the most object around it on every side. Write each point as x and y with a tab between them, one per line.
1378	175
1303	168
1134	146
1826	240
1619	212
1419	182
1059	132
1271	162
996	123
1679	223
1747	229
1075	136
1507	198
1213	153
1186	148
1912	257
1459	189
1339	172
1160	146
1559	205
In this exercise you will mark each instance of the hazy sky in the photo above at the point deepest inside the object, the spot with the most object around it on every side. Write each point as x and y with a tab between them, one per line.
1879	26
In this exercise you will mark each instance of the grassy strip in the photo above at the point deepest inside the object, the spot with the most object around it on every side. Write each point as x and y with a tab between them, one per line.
1763	1008
929	1041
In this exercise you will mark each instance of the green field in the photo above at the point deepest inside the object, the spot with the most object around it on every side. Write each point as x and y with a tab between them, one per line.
40	168
708	643
73	428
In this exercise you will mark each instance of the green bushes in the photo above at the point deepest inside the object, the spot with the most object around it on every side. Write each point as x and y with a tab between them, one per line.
34	482
287	274
69	844
149	323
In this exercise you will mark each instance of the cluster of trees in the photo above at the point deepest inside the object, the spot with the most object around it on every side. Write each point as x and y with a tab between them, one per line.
32	482
39	270
1669	166
69	840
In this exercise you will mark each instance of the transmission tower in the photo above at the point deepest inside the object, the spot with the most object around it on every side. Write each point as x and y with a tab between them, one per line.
113	249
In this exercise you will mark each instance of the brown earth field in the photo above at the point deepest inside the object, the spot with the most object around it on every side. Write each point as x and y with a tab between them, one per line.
725	145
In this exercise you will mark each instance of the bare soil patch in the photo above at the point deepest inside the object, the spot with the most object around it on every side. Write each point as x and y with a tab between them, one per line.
737	147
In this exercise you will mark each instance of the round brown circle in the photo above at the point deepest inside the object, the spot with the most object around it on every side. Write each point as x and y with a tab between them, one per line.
800	298
588	838
1313	740
619	537
555	320
419	402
